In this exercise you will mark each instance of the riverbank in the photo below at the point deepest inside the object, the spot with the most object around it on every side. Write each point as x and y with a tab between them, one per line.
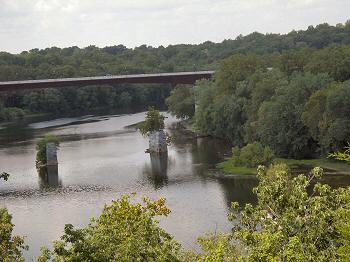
329	165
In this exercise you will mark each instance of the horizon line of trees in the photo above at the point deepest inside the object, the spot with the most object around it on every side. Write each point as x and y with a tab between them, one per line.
93	61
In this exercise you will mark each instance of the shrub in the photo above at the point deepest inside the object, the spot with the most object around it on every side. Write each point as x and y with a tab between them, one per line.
154	121
10	246
290	224
124	232
252	155
41	149
344	156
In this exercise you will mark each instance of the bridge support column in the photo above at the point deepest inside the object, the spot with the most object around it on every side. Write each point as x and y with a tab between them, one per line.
51	154
157	142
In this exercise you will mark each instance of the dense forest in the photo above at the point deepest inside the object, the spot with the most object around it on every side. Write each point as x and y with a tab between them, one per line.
296	101
54	62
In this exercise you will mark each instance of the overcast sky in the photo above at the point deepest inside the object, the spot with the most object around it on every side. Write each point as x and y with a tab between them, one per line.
27	24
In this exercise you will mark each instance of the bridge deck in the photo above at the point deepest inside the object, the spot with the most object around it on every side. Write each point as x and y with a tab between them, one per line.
161	78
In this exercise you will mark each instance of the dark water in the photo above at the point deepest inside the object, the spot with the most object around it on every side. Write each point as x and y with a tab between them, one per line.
102	157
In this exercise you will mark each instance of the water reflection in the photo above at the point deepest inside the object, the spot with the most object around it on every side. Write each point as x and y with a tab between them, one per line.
99	161
239	189
48	177
157	172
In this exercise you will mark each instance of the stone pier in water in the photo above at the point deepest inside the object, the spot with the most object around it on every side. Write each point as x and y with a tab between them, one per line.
51	154
157	142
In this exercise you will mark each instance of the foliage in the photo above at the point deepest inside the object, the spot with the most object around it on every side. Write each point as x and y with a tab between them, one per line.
4	176
288	223
228	168
154	121
181	102
252	155
123	232
344	156
11	247
10	113
325	163
296	111
215	248
41	149
279	123
327	116
323	48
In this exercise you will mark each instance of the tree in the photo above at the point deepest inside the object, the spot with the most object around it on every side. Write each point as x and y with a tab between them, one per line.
280	125
41	150
215	248
123	232
10	246
154	121
181	102
326	114
288	223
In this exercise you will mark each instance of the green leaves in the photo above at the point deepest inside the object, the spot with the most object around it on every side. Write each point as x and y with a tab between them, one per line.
289	224
11	247
154	121
41	149
124	232
181	102
345	156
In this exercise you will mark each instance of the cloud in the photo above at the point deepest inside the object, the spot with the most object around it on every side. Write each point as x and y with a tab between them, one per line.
27	24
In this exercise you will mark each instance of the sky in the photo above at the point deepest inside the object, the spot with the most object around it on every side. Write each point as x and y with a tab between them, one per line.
28	24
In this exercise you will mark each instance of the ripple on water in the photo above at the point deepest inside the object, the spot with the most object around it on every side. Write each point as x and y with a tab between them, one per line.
62	190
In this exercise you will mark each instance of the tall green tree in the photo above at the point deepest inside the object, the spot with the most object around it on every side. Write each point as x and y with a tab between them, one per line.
181	102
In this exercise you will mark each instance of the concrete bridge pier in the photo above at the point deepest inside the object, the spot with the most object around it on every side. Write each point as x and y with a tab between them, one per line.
51	154
157	142
48	174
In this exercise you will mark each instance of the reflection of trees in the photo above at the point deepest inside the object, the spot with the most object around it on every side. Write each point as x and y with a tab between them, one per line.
48	177
205	150
209	150
157	172
239	189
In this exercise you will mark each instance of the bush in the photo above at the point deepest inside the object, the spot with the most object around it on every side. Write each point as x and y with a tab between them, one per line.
252	155
11	113
154	121
41	149
10	246
343	156
124	232
290	224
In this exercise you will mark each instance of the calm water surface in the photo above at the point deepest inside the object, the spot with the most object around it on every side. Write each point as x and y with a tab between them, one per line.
102	157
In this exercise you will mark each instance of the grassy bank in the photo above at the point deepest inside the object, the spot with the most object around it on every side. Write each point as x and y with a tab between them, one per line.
228	168
325	163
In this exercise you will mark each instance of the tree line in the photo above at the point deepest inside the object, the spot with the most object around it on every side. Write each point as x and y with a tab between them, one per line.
93	61
295	102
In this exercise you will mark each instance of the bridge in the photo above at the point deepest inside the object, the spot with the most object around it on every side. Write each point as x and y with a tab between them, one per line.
160	78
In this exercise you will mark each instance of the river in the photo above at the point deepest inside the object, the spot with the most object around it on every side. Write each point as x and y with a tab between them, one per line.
103	157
